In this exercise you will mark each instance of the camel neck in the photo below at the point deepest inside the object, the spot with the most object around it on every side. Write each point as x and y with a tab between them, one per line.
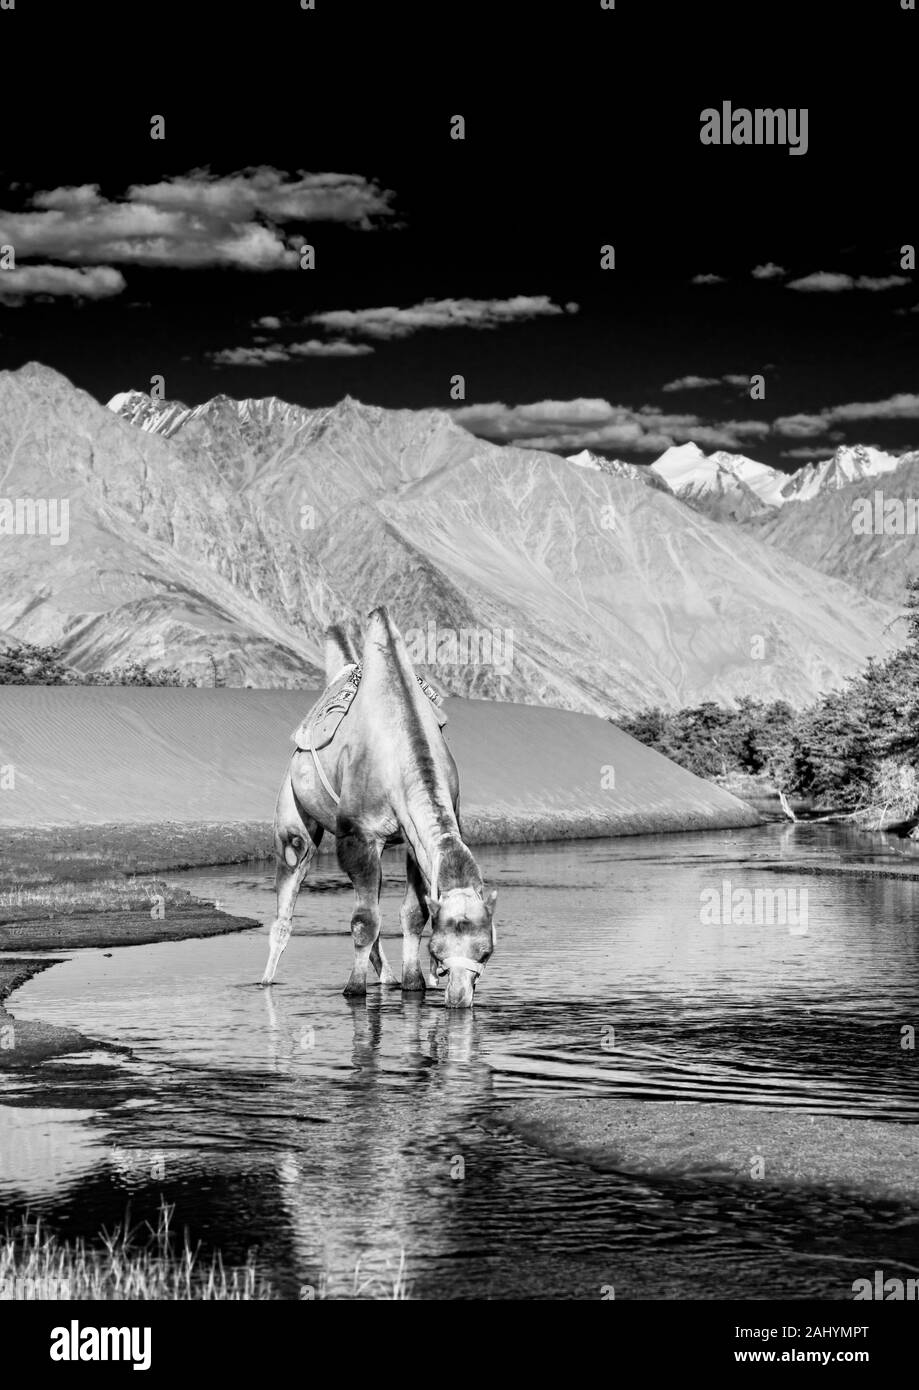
454	865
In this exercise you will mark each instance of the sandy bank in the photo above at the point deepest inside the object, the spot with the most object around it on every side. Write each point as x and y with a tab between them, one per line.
154	756
32	927
720	1143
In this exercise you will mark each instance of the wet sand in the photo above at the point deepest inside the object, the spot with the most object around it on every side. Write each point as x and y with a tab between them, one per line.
786	1148
23	1043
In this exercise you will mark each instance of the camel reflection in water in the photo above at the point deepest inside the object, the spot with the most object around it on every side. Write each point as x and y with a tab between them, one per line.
394	1163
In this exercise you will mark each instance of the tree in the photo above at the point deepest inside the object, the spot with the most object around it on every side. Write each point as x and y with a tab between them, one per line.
23	663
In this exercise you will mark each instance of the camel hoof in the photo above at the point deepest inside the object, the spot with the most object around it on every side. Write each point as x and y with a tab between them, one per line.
354	990
413	984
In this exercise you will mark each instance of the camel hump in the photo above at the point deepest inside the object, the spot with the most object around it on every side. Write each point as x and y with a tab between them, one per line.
386	657
339	651
383	644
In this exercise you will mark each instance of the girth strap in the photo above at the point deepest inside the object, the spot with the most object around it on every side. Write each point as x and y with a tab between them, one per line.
322	777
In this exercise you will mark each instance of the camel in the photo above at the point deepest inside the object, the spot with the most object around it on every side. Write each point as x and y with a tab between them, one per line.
386	777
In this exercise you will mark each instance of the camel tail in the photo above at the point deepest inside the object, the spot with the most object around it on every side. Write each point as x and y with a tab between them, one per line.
339	650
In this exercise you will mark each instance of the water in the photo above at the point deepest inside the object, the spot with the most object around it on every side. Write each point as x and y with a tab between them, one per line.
337	1136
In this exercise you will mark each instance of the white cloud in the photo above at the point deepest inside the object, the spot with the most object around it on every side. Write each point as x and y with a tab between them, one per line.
193	220
562	426
281	197
836	282
800	426
707	280
98	282
701	383
389	322
248	356
903	406
880	282
691	383
334	348
268	352
269	321
768	271
822	282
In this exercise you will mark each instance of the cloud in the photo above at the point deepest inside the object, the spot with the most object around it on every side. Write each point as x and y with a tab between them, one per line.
387	323
58	281
691	383
701	383
248	356
263	190
707	280
268	321
800	426
805	453
903	406
334	348
193	220
263	356
835	282
769	271
880	282
587	422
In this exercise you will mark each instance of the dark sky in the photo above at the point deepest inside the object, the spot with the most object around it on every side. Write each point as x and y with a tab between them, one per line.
582	128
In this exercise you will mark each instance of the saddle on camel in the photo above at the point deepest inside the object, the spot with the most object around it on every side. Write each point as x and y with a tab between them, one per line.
372	767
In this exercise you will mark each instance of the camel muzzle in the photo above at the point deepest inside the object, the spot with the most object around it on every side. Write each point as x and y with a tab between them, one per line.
462	974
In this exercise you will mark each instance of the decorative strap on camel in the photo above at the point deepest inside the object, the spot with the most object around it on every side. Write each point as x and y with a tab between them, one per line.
319	726
465	962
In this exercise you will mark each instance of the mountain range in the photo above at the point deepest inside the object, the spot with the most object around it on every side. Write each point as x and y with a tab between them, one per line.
231	532
731	486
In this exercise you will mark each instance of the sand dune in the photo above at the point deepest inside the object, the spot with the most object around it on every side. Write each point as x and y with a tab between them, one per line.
134	755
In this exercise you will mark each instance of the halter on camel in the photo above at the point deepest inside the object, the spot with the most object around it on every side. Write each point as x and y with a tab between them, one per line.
465	962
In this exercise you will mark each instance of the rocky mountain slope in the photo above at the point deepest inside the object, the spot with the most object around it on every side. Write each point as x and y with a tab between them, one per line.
864	533
239	528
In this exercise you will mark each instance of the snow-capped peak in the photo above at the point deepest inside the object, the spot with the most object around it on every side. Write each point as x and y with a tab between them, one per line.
685	465
851	463
585	459
702	478
766	482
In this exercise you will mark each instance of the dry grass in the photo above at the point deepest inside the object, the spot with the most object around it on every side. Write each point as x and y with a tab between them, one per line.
385	1285
38	857
34	1264
146	1265
98	895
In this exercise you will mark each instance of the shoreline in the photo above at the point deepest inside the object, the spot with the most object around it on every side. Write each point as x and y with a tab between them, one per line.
91	848
66	916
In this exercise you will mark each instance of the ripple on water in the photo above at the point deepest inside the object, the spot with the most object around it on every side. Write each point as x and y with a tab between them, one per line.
324	1131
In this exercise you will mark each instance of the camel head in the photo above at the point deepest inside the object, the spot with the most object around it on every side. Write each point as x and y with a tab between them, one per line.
462	941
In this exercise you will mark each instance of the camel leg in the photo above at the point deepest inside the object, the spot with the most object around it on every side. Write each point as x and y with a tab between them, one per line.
359	856
381	965
296	846
413	916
